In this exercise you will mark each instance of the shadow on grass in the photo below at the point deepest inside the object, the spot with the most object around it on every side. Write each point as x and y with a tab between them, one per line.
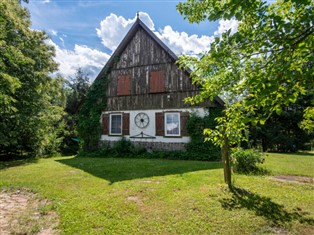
120	169
264	206
13	163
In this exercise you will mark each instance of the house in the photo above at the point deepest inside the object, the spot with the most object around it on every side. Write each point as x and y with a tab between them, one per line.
146	92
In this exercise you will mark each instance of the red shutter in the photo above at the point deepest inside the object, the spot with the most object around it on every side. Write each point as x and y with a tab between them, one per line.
159	120
105	124
124	85
126	124
184	117
157	82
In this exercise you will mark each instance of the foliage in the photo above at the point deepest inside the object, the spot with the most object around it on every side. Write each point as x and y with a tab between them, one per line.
245	160
153	196
282	132
75	92
308	121
198	147
121	148
31	101
89	127
125	148
77	88
267	63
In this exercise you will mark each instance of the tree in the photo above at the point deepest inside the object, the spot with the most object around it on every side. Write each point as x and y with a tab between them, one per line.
89	127
75	91
282	132
77	88
265	65
31	101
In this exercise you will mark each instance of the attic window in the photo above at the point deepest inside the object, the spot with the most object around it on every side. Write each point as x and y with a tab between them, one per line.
124	85
157	82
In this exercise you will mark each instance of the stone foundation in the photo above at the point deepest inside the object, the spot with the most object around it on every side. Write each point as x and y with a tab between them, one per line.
154	146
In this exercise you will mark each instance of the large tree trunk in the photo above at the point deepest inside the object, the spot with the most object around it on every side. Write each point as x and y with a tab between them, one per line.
225	154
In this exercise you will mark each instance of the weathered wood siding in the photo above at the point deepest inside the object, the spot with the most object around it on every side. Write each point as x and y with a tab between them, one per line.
140	57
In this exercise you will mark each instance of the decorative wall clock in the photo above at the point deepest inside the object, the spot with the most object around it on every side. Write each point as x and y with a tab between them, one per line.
141	120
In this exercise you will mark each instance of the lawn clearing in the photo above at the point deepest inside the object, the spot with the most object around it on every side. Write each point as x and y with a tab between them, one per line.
151	196
290	164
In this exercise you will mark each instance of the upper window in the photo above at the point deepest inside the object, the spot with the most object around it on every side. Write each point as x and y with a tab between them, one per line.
172	124
157	82
115	124
124	85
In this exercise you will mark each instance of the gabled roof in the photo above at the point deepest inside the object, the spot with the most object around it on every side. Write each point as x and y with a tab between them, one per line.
126	40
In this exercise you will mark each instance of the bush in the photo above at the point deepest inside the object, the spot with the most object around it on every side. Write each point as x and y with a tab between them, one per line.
245	161
198	148
122	147
125	147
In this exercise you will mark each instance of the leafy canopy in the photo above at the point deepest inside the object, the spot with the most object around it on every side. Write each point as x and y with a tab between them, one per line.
267	63
31	102
75	89
89	122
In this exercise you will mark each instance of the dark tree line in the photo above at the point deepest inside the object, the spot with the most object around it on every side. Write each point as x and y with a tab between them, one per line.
283	133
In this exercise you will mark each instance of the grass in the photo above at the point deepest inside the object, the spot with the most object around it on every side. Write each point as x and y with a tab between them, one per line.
150	196
291	164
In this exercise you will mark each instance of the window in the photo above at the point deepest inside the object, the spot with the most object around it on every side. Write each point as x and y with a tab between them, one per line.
172	124
115	124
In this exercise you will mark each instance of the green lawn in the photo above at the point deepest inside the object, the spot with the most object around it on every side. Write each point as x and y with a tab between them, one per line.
291	164
149	196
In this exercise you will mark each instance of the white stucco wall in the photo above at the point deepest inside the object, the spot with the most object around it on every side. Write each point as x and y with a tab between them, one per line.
150	129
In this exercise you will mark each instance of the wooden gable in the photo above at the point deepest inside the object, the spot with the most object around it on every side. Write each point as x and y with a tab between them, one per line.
143	74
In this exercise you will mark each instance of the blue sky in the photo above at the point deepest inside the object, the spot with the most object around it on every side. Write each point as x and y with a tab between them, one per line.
86	32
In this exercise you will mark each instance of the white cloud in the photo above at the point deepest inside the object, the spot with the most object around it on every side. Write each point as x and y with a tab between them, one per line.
225	25
113	28
53	32
90	60
181	42
62	41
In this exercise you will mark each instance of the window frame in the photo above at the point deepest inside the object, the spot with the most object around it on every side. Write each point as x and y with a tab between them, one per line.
110	123
165	124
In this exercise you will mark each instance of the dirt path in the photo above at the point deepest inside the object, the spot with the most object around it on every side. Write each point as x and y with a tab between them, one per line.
21	212
294	179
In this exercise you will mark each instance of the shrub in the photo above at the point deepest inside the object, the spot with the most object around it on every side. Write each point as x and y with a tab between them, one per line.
138	150
245	161
198	148
122	147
